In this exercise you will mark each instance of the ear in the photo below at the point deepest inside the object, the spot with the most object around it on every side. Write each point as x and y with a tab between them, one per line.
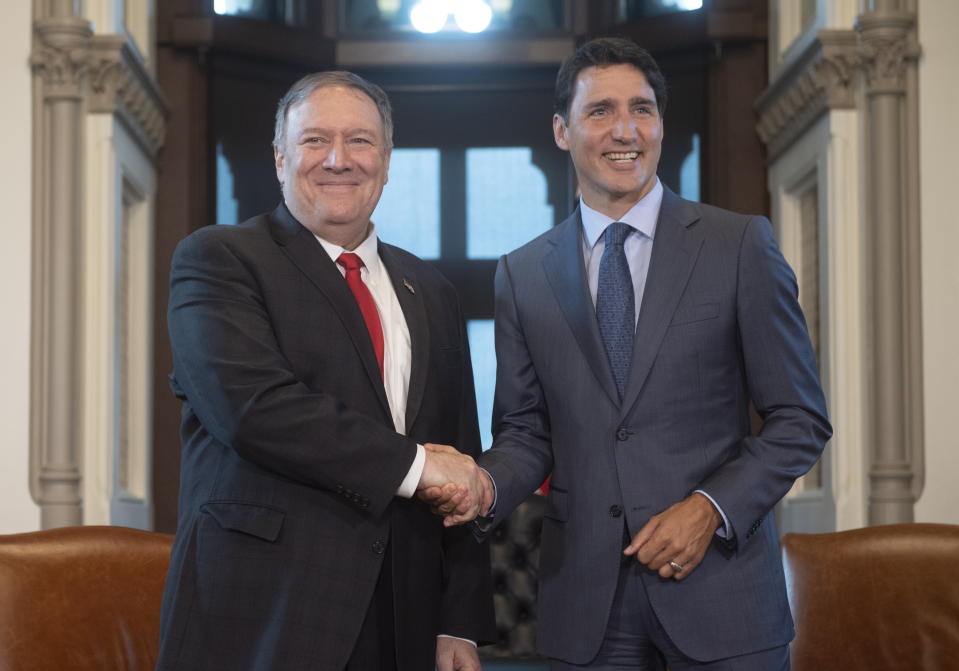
386	175
559	132
278	163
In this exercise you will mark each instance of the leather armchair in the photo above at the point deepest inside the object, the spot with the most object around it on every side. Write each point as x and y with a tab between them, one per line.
81	599
882	598
514	553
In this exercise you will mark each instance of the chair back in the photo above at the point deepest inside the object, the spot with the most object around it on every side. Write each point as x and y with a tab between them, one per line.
883	598
81	599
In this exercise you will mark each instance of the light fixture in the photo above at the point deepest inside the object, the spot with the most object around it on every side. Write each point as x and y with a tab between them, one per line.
472	16
429	16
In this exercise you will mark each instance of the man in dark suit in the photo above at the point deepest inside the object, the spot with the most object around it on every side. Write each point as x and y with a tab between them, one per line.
315	363
630	341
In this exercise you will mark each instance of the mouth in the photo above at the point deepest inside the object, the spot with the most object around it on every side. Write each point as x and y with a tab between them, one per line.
621	156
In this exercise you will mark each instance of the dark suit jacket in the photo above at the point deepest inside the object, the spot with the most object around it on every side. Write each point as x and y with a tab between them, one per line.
719	326
290	460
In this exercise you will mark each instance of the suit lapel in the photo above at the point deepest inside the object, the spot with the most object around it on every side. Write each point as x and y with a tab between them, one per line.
408	292
566	273
675	250
306	253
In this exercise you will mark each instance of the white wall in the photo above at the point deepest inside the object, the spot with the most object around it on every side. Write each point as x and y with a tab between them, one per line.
939	149
17	510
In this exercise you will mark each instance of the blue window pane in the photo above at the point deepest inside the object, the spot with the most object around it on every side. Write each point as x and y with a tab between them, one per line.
483	353
408	214
506	201
226	206
233	6
689	173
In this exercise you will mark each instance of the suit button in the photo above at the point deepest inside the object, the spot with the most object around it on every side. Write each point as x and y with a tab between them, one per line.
622	434
615	511
379	547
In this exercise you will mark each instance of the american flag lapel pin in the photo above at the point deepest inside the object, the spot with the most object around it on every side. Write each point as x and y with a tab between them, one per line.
409	286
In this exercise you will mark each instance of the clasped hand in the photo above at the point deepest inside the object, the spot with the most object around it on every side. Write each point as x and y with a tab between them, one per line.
453	485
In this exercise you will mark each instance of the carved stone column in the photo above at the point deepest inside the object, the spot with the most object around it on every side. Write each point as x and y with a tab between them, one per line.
887	50
59	61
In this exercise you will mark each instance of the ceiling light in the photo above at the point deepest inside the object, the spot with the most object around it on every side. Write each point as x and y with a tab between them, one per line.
429	16
472	16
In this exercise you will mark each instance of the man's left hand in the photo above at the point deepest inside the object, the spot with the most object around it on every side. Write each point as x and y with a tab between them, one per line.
677	536
453	654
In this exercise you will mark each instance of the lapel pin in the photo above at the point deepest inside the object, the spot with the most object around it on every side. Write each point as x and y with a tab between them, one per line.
409	286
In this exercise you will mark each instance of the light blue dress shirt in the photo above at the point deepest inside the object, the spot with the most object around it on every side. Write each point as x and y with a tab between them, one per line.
638	246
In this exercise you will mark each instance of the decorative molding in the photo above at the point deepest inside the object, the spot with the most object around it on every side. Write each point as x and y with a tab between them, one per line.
821	78
886	47
836	70
60	55
121	84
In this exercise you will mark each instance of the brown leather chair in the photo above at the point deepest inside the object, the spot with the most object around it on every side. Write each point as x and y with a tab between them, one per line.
883	598
81	599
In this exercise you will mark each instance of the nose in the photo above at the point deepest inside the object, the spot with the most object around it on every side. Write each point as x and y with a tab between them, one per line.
624	130
337	158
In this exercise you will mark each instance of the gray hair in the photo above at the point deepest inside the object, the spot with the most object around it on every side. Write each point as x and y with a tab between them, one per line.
305	87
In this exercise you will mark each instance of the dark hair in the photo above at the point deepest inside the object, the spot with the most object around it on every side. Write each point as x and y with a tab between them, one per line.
303	88
601	52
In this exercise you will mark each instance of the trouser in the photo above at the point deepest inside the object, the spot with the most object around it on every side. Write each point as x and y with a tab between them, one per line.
635	640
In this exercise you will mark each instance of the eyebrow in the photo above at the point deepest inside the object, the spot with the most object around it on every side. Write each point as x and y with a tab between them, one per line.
349	131
609	102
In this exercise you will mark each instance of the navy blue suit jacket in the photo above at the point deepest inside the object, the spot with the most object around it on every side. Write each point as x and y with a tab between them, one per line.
719	326
291	462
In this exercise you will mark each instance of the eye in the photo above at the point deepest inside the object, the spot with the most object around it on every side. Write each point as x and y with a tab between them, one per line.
360	140
644	109
598	112
313	139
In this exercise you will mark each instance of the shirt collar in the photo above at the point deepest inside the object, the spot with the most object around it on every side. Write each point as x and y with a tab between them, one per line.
642	216
367	250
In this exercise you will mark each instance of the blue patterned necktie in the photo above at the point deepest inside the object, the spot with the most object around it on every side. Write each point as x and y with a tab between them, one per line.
615	303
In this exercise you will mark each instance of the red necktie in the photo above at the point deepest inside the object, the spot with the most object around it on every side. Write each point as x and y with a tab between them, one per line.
352	264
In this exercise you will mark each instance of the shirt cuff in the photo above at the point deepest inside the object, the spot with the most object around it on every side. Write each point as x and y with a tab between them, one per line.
457	638
723	531
408	486
492	506
483	523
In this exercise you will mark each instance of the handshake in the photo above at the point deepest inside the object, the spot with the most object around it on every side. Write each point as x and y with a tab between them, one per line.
453	485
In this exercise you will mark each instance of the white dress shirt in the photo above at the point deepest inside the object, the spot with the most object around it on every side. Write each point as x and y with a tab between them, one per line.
397	353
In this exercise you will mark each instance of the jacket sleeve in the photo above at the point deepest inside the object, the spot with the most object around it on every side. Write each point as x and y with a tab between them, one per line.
468	592
522	456
783	383
229	366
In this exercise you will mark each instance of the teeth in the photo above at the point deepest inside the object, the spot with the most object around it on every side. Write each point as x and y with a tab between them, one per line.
623	156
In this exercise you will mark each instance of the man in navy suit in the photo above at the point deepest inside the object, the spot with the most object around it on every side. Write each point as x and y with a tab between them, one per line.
630	341
317	365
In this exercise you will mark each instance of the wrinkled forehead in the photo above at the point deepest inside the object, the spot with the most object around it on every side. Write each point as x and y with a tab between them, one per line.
337	105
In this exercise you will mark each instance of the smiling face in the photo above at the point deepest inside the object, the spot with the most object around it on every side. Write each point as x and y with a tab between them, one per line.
614	135
333	163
